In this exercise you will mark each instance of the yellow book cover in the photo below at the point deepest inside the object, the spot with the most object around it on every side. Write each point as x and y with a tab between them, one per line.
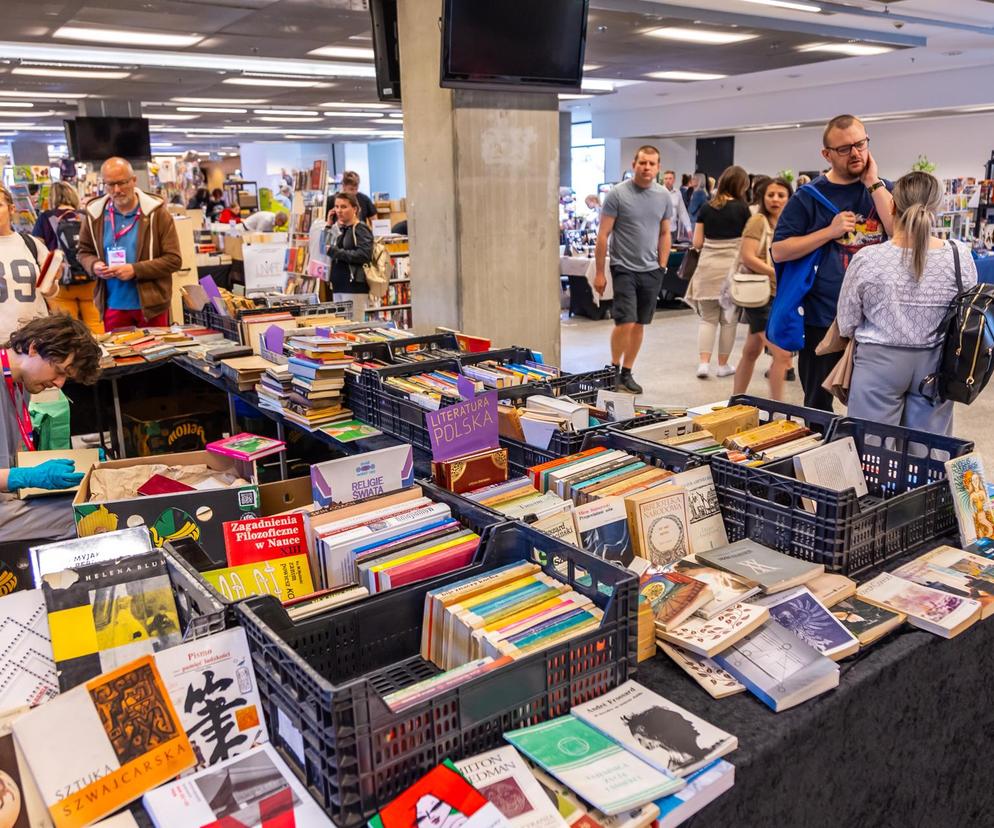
658	523
767	431
728	421
528	612
424	553
286	578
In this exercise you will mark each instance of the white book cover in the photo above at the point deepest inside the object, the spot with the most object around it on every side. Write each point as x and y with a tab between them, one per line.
27	670
707	529
582	815
703	788
54	557
505	779
663	734
619	405
213	688
577	413
804	615
709	636
929	609
835	465
726	588
658	432
236	792
21	805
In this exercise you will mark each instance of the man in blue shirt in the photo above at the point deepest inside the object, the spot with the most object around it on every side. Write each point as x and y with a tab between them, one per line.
865	217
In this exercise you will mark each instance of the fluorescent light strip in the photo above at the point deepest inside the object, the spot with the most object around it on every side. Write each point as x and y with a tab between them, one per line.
169	116
283	119
285	111
349	105
16	104
278	82
570	96
58	96
685	76
353	115
222	101
134	38
691	34
786	4
218	109
597	85
850	49
181	60
18	114
44	72
346	52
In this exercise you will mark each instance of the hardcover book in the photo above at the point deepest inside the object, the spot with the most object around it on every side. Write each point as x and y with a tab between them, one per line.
659	524
708	637
263	539
252	789
105	546
27	669
580	815
118	736
651	727
603	528
867	622
717	681
505	779
246	446
771	570
672	596
107	614
801	613
212	686
596	768
953	570
463	474
726	588
707	528
933	610
779	668
974	510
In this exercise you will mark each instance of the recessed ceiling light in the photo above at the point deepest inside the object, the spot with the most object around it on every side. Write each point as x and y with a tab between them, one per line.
350	105
592	67
572	96
396	115
685	76
285	111
695	35
851	49
347	52
16	104
233	110
281	119
787	4
232	101
19	114
122	37
170	116
287	82
59	96
353	114
46	72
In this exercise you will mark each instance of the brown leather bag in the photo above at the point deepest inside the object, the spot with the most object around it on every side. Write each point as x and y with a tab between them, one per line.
838	382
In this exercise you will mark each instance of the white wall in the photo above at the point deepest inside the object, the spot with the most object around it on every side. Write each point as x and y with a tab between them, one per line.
386	168
263	160
679	154
958	146
357	160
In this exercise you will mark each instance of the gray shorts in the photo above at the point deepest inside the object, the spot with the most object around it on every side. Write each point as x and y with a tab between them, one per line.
635	295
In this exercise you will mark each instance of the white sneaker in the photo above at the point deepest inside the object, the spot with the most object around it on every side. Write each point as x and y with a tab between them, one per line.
725	370
703	370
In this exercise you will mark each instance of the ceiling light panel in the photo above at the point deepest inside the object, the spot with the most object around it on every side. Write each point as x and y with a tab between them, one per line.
19	114
693	34
45	72
219	109
281	82
849	49
222	101
126	37
58	96
165	116
346	52
283	119
684	76
285	111
350	105
786	4
353	114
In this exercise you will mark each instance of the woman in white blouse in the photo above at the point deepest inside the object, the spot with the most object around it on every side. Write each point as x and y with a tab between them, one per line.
893	300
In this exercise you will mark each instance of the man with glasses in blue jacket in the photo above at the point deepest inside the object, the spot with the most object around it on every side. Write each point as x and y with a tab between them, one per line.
862	216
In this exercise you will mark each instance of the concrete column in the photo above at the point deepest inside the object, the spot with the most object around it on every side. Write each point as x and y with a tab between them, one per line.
482	194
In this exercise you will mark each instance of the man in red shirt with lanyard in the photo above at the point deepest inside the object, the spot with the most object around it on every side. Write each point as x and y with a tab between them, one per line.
42	353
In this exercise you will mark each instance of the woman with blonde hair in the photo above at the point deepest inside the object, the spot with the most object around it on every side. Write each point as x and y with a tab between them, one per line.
893	301
717	236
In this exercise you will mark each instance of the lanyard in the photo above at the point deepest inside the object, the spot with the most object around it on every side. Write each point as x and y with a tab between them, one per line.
124	230
24	418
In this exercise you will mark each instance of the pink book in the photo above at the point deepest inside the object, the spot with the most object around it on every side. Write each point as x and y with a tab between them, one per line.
438	564
246	446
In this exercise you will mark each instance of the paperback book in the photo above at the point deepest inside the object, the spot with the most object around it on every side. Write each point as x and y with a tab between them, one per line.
717	681
933	610
953	570
703	788
286	578
659	524
771	570
708	637
262	539
105	546
707	528
830	588
21	805
672	596
27	670
726	589
974	510
603	529
867	622
800	612
247	447
579	814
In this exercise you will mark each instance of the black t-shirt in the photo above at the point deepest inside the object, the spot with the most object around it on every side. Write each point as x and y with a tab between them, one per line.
725	223
346	272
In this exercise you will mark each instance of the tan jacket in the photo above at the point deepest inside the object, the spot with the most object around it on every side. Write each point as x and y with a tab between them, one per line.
158	252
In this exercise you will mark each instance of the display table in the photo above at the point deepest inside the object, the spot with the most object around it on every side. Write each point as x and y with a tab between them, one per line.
580	271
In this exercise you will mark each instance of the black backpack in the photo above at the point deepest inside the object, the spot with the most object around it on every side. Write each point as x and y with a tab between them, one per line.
968	351
66	227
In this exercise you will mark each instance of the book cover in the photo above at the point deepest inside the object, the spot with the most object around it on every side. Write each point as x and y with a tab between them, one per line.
505	779
726	588
933	610
286	578
835	465
651	727
262	539
159	484
830	588
778	668
252	789
974	510
350	431
105	546
708	637
867	622
672	596
561	526
212	686
772	570
717	681
953	570
463	474
659	524
800	612
27	670
603	529
596	768
104	615
703	788
707	528
442	798
118	736
580	815
21	805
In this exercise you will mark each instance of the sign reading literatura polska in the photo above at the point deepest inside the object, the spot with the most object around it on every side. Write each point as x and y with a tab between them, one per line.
464	428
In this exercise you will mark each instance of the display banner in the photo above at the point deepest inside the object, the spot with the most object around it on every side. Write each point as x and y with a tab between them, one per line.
464	428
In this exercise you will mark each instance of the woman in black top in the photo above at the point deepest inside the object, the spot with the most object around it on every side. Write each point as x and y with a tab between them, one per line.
717	235
350	251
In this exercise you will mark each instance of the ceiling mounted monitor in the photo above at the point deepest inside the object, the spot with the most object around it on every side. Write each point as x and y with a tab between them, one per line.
519	45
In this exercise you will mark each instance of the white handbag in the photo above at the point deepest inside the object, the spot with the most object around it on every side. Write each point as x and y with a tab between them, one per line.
747	289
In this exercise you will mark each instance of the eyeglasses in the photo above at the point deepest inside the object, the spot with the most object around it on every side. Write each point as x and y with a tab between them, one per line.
110	185
846	149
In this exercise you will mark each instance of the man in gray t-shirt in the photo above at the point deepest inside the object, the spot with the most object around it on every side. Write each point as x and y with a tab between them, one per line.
636	216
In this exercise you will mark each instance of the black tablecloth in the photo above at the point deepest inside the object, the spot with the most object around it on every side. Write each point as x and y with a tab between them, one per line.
902	742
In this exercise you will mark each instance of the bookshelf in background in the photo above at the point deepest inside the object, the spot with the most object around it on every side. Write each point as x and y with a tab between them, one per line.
954	220
246	193
396	305
306	211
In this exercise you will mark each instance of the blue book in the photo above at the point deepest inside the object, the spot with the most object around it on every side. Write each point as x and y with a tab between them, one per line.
703	788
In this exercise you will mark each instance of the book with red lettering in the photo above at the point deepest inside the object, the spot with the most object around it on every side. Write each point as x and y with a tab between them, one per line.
263	539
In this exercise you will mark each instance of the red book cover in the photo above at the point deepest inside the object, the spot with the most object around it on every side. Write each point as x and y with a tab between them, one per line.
262	539
159	484
448	560
440	797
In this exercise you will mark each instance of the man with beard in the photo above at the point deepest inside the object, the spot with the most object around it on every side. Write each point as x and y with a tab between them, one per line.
864	217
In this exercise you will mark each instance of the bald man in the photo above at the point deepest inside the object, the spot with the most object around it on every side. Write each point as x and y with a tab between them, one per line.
128	244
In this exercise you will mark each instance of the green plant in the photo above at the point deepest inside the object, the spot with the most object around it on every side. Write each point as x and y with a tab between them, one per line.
922	164
786	175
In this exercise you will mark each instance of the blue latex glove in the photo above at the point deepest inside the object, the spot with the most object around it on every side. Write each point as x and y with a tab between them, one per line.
52	474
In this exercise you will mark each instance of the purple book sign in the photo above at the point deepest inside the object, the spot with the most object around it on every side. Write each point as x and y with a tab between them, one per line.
214	294
464	428
273	337
466	386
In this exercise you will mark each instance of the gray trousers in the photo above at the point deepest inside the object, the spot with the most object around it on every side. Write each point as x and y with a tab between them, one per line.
885	383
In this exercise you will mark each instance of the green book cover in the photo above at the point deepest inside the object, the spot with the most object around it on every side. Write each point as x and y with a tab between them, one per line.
350	431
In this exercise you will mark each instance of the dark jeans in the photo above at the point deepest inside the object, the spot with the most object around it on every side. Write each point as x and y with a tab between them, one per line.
813	370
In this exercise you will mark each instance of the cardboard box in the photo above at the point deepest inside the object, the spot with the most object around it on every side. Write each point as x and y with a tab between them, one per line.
160	425
198	515
284	496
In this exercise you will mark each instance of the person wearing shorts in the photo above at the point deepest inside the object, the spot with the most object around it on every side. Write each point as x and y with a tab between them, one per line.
636	217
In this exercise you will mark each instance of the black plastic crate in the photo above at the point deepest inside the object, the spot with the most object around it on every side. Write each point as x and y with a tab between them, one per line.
202	609
209	318
909	501
322	680
358	399
396	351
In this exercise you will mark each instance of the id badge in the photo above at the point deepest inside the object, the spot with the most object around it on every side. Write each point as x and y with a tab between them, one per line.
117	256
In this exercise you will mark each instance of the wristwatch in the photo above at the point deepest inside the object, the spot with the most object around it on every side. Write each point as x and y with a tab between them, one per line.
874	187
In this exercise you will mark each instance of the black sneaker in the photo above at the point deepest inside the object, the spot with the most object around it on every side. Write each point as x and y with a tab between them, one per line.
627	383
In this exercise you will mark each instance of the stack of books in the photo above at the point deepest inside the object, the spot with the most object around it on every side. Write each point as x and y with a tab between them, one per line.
139	345
431	389
317	367
273	388
244	371
506	374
